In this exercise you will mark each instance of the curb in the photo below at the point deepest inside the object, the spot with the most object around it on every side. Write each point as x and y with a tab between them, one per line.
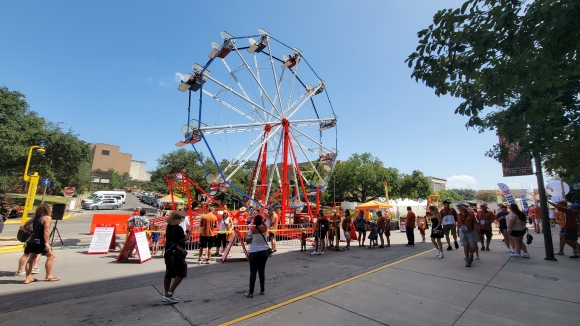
66	217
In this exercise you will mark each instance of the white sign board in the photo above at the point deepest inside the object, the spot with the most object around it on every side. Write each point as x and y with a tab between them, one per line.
101	240
72	205
142	246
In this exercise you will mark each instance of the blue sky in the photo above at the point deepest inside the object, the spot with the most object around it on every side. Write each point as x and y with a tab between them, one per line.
107	70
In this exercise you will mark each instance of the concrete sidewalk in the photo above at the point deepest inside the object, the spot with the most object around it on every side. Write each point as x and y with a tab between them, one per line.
425	290
394	286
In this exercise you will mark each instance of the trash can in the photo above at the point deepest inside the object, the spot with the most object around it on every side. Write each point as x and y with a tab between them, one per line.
394	225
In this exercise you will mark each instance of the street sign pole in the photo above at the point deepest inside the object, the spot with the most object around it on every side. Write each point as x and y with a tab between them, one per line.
43	194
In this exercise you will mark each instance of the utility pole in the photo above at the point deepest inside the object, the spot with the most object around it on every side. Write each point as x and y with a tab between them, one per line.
543	205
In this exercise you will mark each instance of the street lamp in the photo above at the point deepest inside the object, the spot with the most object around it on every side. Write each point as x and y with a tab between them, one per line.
32	182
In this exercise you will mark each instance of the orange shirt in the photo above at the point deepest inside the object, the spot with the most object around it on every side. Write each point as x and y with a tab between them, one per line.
560	219
333	219
411	219
488	218
468	220
346	224
381	222
207	222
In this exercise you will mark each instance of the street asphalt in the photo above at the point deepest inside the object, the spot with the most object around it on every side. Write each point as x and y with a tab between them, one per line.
391	286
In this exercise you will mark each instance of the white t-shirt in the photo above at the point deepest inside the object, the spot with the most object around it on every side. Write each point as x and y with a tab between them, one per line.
185	224
225	223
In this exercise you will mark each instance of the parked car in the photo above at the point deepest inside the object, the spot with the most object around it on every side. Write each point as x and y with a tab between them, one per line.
102	204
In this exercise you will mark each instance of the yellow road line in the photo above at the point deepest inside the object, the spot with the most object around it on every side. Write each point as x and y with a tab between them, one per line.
12	248
298	298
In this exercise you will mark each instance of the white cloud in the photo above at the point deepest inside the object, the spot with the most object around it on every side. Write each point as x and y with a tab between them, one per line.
178	77
149	79
161	83
461	181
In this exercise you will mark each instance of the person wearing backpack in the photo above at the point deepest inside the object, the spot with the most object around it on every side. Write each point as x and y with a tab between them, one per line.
257	254
360	223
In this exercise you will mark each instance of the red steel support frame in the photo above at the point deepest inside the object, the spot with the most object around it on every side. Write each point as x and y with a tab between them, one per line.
285	184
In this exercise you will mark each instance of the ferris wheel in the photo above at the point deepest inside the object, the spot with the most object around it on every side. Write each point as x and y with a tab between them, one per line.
261	104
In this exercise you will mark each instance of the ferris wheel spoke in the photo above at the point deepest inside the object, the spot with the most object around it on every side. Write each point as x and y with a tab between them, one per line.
306	156
257	106
257	80
275	78
316	142
311	93
236	159
226	104
266	139
235	79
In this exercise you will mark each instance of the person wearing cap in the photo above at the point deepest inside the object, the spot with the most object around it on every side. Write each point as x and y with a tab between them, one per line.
485	218
175	268
466	228
242	216
449	220
570	234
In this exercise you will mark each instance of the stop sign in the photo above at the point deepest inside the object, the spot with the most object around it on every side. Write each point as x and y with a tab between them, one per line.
69	191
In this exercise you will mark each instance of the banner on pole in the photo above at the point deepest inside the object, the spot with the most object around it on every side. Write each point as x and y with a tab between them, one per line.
524	200
517	163
507	193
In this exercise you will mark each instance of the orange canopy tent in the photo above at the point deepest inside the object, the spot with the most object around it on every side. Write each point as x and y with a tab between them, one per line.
371	205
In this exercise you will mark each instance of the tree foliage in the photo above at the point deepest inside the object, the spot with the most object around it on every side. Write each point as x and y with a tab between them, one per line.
486	196
520	58
466	194
66	156
361	178
449	195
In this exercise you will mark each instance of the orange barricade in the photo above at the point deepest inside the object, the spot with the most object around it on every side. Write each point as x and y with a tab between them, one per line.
119	220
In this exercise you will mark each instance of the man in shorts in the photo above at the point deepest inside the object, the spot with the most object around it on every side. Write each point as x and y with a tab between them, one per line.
486	218
570	233
346	221
207	235
175	267
334	221
273	221
449	217
320	230
466	229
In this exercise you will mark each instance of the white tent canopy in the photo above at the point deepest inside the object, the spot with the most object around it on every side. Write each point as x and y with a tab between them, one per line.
402	204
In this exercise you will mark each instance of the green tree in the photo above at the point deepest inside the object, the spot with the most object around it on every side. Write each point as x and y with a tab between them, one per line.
466	194
360	178
449	195
20	128
415	186
520	58
486	196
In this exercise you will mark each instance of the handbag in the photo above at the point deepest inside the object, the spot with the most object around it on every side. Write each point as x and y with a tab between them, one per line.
23	235
529	237
270	251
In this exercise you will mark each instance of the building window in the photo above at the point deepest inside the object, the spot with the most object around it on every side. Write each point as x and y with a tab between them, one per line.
105	152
